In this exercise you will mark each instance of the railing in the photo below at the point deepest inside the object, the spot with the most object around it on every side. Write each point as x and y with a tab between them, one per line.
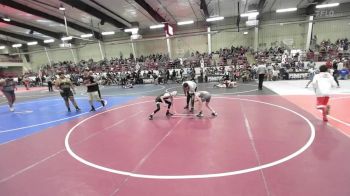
11	60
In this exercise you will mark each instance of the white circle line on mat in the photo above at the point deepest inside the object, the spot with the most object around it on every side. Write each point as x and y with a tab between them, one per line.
199	176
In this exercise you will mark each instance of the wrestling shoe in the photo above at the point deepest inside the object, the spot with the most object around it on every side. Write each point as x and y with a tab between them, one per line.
169	114
200	114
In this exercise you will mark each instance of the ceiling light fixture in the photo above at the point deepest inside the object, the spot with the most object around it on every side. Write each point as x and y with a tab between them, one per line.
156	26
61	8
132	30
215	19
7	19
185	22
287	10
250	14
2	47
16	45
66	38
49	41
32	43
327	5
108	33
86	35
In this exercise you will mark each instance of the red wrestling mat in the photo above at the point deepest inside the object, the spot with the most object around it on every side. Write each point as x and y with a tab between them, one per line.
258	145
338	117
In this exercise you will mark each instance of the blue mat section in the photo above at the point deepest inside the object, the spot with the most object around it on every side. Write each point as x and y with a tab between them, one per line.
34	116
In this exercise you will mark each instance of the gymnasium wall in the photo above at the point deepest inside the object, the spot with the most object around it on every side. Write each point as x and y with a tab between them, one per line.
293	35
274	29
184	46
117	50
228	38
332	30
89	51
149	47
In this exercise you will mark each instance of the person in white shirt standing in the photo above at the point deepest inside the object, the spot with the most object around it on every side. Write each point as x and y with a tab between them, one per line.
322	83
261	71
189	88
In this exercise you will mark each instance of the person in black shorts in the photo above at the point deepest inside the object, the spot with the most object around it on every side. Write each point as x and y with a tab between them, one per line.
64	85
189	88
166	98
8	87
92	89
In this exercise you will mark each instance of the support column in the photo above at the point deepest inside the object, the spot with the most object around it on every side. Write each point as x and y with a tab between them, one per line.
75	60
65	22
256	38
309	33
209	41
168	45
101	51
48	57
133	49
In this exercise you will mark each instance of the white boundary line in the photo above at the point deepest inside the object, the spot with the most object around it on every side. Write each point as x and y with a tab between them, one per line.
337	98
49	122
162	87
218	94
331	117
213	175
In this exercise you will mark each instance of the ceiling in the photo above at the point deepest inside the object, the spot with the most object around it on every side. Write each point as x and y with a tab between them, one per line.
84	16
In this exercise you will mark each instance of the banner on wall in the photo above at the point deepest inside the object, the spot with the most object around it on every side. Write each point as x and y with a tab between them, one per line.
324	13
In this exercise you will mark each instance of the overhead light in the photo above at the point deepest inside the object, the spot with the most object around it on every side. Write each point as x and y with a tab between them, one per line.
86	35
185	22
215	19
61	8
156	26
108	33
6	19
287	10
16	45
32	43
66	38
49	41
245	33
327	5
2	47
250	14
132	30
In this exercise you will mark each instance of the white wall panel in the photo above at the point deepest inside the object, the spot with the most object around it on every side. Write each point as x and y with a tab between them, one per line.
116	50
333	30
62	55
37	60
90	51
226	39
184	46
150	47
274	34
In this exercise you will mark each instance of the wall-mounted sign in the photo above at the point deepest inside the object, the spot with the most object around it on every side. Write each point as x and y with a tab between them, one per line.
324	13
